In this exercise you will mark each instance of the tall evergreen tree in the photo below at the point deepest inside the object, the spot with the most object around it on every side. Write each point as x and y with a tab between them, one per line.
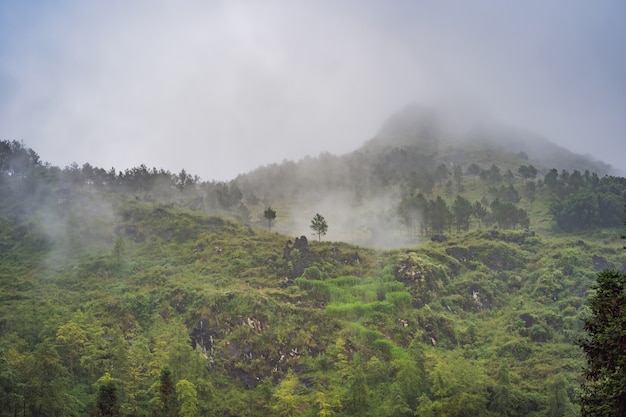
501	401
270	215
438	214
285	399
458	178
167	395
397	406
558	403
462	210
107	401
357	400
604	389
188	398
409	381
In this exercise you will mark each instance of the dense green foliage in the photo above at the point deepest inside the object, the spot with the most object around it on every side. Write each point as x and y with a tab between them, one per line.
604	390
584	201
144	292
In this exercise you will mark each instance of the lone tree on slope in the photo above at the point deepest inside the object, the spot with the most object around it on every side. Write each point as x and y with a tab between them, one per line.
319	226
269	214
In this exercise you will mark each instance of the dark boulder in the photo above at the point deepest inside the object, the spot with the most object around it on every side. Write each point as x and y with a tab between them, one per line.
599	263
301	262
302	244
202	336
527	319
460	254
438	238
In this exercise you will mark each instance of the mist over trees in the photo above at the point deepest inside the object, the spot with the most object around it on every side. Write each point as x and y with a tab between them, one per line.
145	291
584	201
414	154
404	185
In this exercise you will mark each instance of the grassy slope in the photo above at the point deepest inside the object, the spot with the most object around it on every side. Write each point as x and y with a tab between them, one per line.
117	284
137	296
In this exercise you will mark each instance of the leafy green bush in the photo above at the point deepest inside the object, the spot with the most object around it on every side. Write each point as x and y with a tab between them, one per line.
319	290
313	272
400	300
539	333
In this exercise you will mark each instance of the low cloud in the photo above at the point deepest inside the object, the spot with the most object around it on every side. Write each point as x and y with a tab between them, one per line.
221	88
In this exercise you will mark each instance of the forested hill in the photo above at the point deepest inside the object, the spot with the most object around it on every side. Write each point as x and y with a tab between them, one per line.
142	292
420	154
406	153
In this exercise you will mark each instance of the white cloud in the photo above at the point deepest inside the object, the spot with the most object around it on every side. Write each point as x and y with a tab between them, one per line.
221	88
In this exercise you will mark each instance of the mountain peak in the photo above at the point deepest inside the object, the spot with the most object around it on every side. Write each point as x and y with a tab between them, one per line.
434	129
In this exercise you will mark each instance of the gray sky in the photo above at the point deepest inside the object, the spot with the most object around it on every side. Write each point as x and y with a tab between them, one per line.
221	87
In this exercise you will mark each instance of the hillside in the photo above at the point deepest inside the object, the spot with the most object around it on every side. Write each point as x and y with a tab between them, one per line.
150	293
433	153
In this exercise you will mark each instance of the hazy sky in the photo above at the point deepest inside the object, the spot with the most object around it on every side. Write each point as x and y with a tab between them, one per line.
221	87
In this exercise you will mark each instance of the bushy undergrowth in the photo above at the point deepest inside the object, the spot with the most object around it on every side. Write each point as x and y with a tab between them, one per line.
119	292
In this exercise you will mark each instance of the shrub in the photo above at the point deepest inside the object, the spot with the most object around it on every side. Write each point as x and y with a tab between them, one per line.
400	300
519	349
318	290
313	272
539	333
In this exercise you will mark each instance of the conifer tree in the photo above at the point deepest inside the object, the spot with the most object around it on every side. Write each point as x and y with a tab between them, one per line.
558	404
425	407
409	381
356	403
107	401
166	395
502	401
397	406
604	388
462	210
604	391
285	400
270	215
188	398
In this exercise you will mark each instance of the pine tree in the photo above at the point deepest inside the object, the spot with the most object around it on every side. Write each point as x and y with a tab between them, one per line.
166	395
502	401
107	401
356	403
397	406
604	390
558	404
285	400
409	381
270	215
188	398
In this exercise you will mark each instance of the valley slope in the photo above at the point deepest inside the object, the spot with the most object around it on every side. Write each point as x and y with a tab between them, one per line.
157	293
